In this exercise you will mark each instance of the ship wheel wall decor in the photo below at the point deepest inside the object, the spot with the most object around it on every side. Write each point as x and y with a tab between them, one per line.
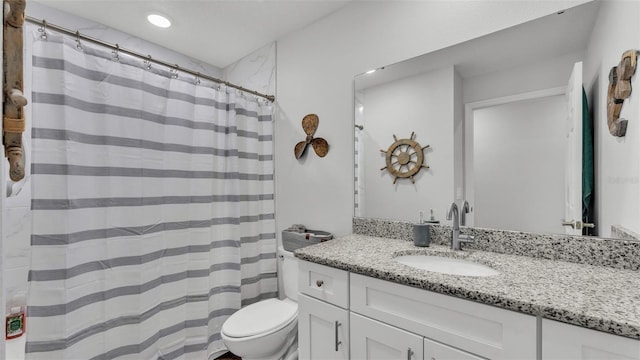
404	158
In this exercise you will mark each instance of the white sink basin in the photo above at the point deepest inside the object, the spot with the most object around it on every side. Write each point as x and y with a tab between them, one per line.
446	265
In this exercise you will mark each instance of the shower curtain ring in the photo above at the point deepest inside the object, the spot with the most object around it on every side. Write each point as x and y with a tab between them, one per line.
198	79
148	62
174	71
78	43
116	56
43	30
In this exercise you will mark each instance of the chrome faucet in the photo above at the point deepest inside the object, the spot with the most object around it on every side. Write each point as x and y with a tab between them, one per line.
464	210
456	237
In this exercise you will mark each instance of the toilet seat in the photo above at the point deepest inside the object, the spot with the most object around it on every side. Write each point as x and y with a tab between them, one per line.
260	318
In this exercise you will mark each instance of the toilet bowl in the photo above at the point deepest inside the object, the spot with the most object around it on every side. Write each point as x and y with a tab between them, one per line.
268	329
264	330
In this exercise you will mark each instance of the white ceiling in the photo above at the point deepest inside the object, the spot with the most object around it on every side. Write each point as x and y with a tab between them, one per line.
218	32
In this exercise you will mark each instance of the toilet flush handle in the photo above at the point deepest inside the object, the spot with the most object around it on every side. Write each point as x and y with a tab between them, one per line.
319	283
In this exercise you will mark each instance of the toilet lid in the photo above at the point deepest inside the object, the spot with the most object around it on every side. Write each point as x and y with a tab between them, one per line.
259	318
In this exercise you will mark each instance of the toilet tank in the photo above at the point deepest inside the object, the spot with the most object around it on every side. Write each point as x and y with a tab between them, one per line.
287	275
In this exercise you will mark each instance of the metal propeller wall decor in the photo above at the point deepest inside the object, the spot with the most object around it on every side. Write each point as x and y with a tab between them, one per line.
404	158
310	125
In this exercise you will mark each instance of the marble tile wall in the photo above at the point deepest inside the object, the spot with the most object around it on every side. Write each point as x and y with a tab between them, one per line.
256	71
615	253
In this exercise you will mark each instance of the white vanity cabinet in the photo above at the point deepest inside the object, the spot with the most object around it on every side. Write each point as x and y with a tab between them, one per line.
351	316
564	341
446	322
323	314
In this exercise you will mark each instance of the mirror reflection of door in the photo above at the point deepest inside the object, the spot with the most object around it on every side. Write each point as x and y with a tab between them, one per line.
518	167
573	192
525	168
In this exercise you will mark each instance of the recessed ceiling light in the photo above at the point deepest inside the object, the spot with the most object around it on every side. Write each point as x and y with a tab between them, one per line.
159	20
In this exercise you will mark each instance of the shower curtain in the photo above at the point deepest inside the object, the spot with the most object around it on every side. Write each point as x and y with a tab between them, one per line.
152	209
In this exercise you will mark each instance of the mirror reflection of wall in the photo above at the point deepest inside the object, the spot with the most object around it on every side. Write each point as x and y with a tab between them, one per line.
518	165
421	104
531	57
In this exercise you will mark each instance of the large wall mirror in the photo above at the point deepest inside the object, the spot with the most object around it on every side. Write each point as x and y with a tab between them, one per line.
499	115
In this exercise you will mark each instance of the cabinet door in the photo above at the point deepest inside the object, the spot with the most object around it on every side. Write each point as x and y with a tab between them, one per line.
564	341
372	339
323	330
436	351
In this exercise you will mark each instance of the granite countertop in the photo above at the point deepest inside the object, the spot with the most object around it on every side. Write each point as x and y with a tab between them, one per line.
595	297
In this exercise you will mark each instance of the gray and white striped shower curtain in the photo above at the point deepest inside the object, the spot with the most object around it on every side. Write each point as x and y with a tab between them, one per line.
153	208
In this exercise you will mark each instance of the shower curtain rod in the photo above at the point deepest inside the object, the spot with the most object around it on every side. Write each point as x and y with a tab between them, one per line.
116	47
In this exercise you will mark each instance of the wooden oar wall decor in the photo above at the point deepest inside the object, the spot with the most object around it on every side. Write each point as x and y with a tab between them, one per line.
620	89
13	122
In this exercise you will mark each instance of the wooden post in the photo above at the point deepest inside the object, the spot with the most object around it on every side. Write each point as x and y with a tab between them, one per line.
619	90
14	99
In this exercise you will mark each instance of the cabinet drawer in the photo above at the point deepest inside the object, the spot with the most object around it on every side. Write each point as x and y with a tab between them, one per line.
486	331
324	283
564	341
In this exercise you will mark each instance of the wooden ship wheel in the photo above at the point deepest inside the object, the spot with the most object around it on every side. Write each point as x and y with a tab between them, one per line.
404	158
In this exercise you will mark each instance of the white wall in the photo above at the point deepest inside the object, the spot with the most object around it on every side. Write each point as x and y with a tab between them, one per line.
315	70
422	104
617	159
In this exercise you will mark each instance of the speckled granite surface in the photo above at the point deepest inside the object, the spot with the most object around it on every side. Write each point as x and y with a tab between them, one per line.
615	253
595	297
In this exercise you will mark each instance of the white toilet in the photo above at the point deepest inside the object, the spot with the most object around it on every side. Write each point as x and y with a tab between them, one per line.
268	329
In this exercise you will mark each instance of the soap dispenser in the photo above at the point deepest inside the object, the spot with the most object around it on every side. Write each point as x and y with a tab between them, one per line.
421	235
